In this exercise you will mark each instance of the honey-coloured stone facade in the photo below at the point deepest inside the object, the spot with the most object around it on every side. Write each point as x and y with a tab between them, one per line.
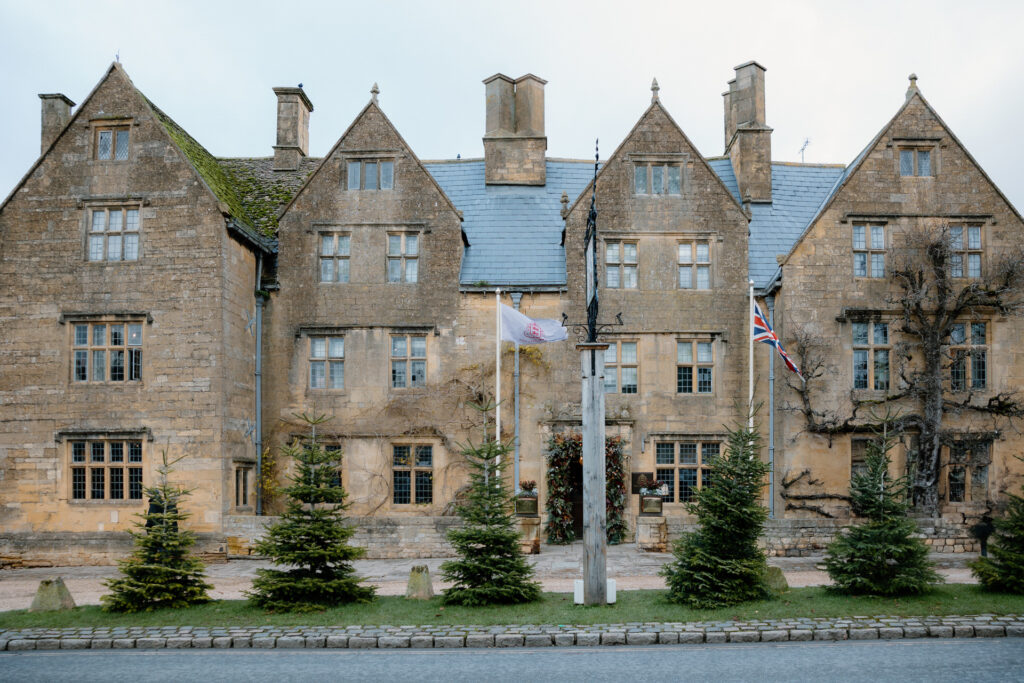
346	276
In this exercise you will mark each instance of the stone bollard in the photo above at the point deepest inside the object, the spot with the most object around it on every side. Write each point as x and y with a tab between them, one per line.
776	581
419	587
52	596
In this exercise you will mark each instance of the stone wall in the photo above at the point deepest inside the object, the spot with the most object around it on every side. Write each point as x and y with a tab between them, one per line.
383	537
76	549
810	537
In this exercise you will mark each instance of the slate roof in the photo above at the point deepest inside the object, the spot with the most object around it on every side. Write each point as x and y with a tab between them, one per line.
514	231
798	192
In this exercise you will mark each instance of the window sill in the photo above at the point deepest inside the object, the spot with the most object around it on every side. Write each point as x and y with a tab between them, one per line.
106	502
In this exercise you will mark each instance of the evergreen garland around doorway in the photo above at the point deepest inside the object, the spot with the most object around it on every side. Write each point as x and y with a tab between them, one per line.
563	451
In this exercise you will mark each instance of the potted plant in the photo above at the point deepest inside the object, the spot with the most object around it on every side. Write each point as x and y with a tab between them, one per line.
526	499
651	496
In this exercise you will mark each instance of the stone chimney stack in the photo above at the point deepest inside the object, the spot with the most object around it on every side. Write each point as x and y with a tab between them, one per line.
56	114
514	142
748	139
293	110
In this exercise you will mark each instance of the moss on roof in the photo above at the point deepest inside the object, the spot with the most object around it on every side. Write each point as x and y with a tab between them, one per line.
263	191
206	165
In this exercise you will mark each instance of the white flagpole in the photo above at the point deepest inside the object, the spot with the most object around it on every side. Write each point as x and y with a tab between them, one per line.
497	365
750	362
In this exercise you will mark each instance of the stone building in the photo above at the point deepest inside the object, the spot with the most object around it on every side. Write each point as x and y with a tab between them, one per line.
158	299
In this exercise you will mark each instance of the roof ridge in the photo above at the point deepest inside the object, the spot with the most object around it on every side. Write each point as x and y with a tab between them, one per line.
208	167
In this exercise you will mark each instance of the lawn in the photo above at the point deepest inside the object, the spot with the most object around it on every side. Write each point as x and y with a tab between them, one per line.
555	608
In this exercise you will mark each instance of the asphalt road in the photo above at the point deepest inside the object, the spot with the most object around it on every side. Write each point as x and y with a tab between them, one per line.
975	660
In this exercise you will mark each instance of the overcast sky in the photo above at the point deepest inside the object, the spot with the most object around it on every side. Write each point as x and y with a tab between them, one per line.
837	71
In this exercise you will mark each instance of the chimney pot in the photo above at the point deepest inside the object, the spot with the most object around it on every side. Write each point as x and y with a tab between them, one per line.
293	110
748	139
56	112
514	141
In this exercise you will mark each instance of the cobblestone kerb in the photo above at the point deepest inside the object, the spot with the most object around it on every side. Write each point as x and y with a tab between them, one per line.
528	635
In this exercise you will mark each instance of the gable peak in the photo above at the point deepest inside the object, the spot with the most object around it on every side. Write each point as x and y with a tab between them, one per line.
912	89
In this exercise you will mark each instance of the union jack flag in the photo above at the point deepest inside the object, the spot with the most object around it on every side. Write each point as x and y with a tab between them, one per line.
763	333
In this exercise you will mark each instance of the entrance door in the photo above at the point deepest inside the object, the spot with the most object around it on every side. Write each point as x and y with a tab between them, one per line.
576	479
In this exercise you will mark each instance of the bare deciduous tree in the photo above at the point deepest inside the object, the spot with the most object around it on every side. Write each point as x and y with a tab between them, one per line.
933	291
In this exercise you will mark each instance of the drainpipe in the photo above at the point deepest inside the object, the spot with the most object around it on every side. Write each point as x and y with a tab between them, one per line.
516	298
259	384
770	301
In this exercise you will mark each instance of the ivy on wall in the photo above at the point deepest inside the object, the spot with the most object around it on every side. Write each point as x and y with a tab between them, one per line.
563	451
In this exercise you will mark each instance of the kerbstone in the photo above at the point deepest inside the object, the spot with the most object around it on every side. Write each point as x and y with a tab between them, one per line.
744	637
863	634
588	639
774	636
291	642
150	643
989	630
337	641
890	632
641	638
564	639
21	644
361	642
179	643
480	640
123	644
449	641
393	641
613	638
715	637
801	634
940	631
963	631
421	641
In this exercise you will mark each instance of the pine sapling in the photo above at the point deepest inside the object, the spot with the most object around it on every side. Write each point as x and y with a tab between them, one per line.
161	572
491	568
1003	569
720	563
880	556
312	537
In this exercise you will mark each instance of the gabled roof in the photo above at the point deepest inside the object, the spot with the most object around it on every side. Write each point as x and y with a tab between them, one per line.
654	105
797	192
515	231
206	166
913	94
371	105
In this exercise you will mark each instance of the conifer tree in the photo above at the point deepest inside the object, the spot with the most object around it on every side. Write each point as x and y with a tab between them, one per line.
491	568
160	573
880	556
311	538
1003	569
720	564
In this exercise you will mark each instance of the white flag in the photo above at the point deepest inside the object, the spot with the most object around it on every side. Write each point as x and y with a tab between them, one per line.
516	327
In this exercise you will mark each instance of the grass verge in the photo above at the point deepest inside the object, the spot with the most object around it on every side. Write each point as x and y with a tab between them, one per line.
554	608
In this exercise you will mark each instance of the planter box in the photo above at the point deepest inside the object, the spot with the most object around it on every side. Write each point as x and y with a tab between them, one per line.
526	507
651	505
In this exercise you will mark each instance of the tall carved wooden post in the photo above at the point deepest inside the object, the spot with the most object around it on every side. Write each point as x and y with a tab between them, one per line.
595	572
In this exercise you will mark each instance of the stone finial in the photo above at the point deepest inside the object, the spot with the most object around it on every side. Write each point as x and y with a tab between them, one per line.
654	90
565	203
374	91
913	85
